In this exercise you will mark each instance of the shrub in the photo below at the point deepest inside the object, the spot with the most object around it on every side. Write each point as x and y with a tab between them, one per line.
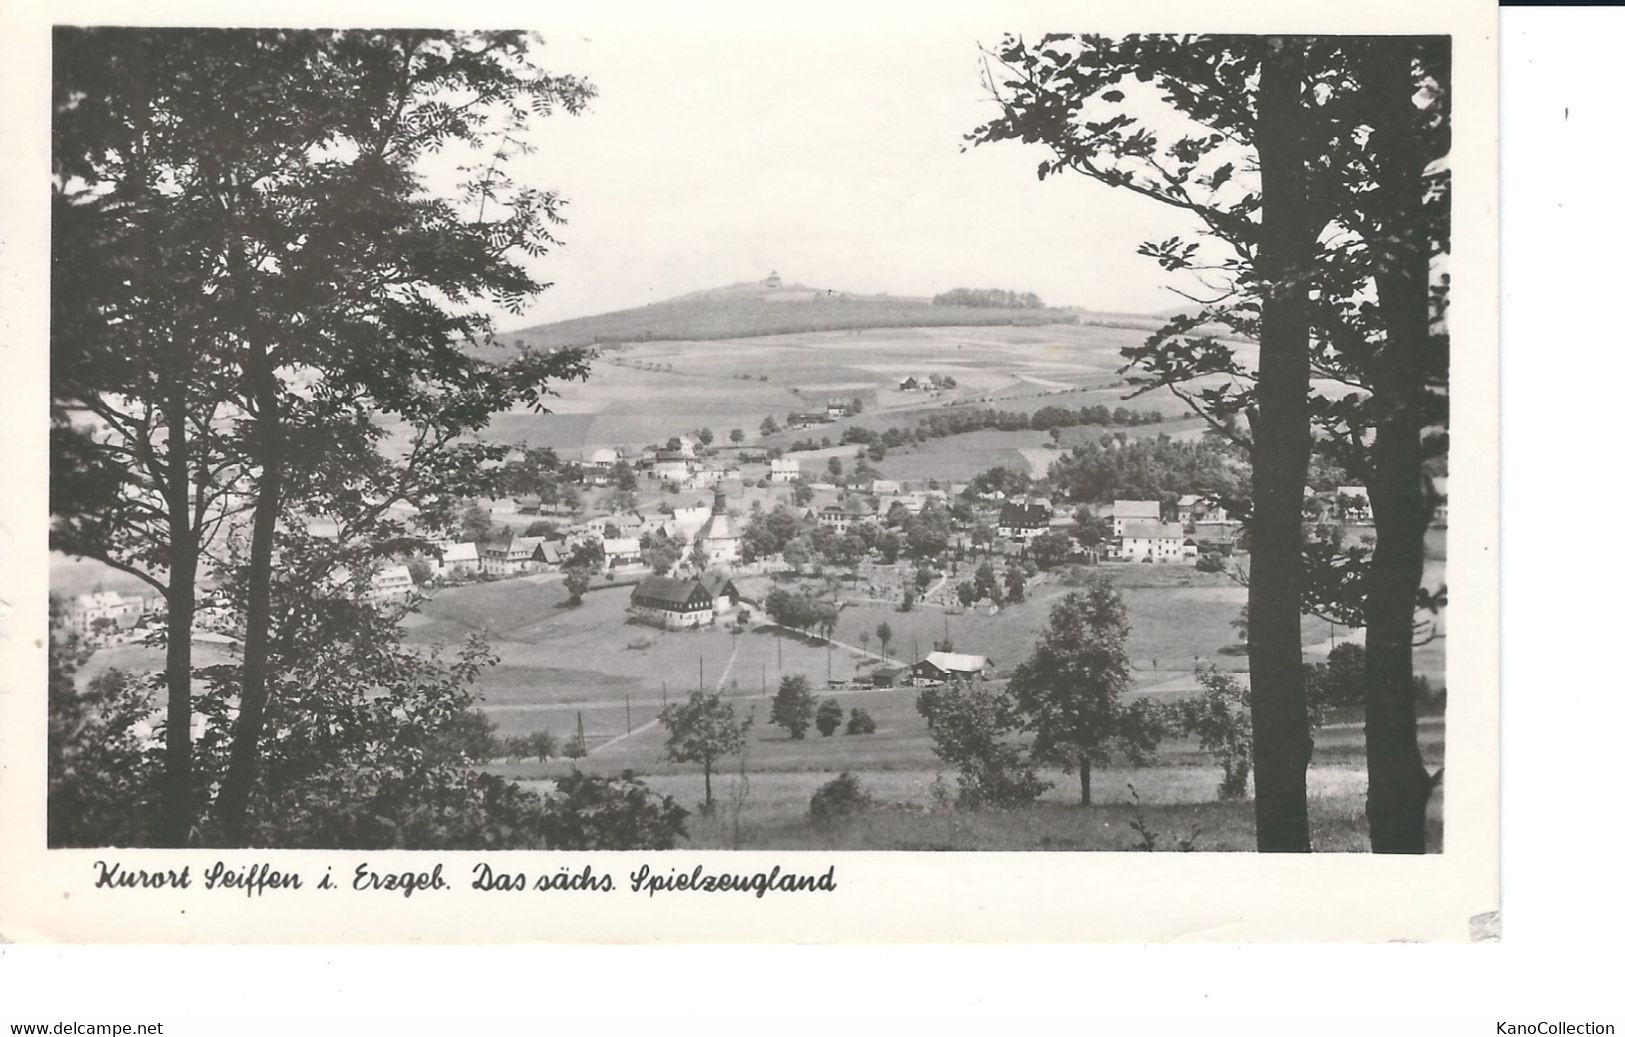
861	723
838	800
585	812
830	715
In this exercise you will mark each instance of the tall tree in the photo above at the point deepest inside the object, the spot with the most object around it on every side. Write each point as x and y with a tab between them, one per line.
1234	156
330	281
1070	690
703	730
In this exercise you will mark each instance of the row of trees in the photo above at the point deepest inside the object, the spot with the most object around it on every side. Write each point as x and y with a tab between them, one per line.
957	421
1315	171
992	297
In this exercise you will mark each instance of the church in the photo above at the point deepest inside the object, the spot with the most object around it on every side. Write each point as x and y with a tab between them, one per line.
719	537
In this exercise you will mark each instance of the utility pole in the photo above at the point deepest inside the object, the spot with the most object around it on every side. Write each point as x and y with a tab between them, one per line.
764	680
662	694
702	673
628	712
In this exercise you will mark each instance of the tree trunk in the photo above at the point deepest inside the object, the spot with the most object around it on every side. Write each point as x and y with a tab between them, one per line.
707	788
1396	803
1084	764
175	809
241	772
1280	459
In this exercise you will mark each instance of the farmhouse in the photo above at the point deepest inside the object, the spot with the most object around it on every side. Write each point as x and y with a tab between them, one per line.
842	517
1146	540
455	559
672	603
885	487
620	552
672	471
724	595
604	459
389	583
808	419
509	555
837	408
909	384
784	469
1131	510
718	537
943	666
1021	520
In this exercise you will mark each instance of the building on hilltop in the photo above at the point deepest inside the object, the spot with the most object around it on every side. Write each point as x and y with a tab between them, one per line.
672	603
773	280
1131	510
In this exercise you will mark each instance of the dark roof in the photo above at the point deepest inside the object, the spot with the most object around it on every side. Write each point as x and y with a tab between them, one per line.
666	590
1024	515
718	584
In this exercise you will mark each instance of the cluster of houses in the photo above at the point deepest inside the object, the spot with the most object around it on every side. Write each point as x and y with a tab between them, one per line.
105	616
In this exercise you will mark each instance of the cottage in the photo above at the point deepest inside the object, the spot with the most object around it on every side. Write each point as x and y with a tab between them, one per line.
885	487
604	459
784	469
1023	520
672	603
842	517
837	408
808	419
1124	511
389	583
509	555
944	666
909	384
672	471
457	560
1144	540
620	552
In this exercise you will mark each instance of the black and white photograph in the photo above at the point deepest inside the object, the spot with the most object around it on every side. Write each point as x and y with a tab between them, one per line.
674	438
1067	470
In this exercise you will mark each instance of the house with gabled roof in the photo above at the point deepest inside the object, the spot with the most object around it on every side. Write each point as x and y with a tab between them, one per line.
672	603
1134	510
1144	540
1023	520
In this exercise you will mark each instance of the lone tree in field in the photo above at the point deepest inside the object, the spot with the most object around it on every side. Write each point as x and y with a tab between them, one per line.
793	705
703	730
577	581
974	728
883	633
1070	690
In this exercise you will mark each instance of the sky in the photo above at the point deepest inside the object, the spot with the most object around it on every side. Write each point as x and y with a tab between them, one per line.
717	152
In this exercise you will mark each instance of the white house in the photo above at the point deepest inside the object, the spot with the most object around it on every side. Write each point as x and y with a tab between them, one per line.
604	459
620	552
784	469
1147	540
455	559
672	471
1125	511
390	583
510	555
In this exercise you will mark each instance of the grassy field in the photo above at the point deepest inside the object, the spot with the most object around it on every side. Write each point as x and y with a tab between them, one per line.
911	812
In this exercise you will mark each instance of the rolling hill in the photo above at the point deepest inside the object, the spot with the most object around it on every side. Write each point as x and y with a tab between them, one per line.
751	309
